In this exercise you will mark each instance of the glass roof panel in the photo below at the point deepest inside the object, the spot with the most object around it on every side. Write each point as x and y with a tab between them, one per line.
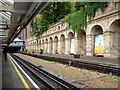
4	3
3	15
11	1
6	14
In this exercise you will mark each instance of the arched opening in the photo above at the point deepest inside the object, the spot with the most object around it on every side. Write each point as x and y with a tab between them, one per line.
56	47
83	43
43	45
39	45
115	36
46	46
70	45
62	44
97	41
50	45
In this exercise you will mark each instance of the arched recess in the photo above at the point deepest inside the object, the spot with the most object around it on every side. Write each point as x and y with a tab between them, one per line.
50	45
62	44
70	44
83	43
39	45
46	46
115	37
97	41
43	45
56	47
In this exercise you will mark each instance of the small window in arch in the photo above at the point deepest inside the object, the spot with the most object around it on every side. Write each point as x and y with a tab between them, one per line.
58	27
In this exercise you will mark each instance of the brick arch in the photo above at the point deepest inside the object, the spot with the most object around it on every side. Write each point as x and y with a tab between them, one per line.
55	37
102	26
62	43
96	29
112	21
56	44
70	35
114	30
46	39
50	44
65	34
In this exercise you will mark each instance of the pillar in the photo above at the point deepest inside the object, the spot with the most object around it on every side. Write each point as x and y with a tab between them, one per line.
77	45
54	46
38	49
67	46
45	46
59	44
89	45
49	45
107	43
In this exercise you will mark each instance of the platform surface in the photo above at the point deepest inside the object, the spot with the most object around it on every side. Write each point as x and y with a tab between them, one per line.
10	78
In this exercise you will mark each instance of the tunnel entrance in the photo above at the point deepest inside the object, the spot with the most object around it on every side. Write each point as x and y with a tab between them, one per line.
13	49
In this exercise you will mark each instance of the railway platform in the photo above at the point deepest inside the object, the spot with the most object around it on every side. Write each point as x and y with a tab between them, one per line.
110	62
13	77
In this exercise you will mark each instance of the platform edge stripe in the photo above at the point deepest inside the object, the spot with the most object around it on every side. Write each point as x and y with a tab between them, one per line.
21	77
34	84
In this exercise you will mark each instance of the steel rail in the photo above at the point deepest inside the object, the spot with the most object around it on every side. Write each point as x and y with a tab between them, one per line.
63	84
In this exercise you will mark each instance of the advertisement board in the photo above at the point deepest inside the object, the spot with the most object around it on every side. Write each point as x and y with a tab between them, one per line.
47	49
99	45
72	47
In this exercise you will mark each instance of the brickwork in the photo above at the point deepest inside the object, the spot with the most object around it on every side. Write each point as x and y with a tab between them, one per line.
106	23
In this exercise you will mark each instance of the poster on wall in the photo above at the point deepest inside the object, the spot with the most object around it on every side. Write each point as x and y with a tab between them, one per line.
88	47
72	47
99	45
47	49
57	47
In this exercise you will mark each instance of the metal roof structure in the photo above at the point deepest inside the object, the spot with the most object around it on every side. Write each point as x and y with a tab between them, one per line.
14	17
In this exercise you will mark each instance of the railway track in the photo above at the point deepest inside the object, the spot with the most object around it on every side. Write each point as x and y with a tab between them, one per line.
48	80
92	66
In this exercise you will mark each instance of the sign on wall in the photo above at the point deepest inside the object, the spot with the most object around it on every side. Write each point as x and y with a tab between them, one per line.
72	46
47	49
88	47
99	45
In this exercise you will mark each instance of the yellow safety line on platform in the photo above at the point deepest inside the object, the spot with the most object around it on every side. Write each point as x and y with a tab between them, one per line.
23	80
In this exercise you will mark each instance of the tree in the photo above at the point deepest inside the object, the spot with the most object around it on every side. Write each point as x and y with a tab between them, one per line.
52	13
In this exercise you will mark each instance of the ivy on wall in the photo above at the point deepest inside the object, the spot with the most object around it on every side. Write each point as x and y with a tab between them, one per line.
77	14
37	41
52	13
78	20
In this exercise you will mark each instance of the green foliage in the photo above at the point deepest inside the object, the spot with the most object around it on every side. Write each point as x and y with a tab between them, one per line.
53	12
78	20
41	50
33	51
37	41
76	16
25	50
39	26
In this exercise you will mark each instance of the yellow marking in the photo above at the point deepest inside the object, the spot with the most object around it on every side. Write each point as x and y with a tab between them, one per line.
24	82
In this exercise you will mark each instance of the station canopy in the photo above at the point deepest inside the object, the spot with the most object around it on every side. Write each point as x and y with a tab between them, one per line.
14	17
